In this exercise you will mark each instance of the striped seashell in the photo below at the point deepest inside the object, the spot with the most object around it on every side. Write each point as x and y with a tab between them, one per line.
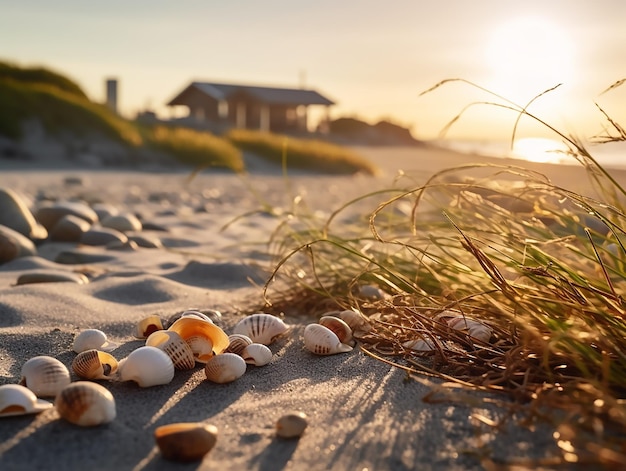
16	399
94	364
176	348
147	366
356	320
261	328
86	404
341	329
148	325
323	341
45	376
237	342
92	339
257	354
225	368
205	338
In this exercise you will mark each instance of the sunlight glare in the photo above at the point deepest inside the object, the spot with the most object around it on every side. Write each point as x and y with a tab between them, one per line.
539	149
526	56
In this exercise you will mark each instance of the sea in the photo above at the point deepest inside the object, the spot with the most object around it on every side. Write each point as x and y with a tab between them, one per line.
540	149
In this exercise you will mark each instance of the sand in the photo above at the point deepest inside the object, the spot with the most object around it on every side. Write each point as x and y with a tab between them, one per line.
363	414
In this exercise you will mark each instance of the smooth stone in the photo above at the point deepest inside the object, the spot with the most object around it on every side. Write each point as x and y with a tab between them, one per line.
52	277
14	245
125	222
15	214
77	257
102	236
104	210
50	214
146	242
129	245
69	229
152	226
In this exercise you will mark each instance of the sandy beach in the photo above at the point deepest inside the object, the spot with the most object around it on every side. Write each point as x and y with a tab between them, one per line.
362	414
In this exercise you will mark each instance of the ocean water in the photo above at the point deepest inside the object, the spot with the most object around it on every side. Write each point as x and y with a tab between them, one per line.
609	155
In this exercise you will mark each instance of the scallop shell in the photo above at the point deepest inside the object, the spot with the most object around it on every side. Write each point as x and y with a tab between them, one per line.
45	376
185	441
291	425
92	339
94	364
257	354
147	366
148	325
176	348
205	338
86	404
225	368
323	341
19	400
341	329
261	328
237	342
356	320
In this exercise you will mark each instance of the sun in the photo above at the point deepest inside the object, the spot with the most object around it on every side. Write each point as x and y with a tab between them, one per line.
526	56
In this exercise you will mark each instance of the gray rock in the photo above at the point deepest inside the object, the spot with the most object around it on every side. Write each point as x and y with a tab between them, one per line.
50	214
14	245
15	214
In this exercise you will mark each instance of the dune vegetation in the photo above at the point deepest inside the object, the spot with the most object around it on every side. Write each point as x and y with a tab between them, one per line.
489	278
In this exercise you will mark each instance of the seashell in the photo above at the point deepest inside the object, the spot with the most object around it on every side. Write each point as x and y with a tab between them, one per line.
176	348
261	328
323	341
474	328
355	320
420	345
148	325
16	399
225	368
341	329
147	366
45	376
86	404
210	315
205	338
371	292
257	354
237	342
94	364
185	441
291	425
92	339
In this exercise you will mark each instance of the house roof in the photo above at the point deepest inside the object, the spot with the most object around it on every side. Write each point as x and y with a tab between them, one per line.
269	95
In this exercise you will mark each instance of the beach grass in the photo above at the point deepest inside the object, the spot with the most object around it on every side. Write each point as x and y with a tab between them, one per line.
507	282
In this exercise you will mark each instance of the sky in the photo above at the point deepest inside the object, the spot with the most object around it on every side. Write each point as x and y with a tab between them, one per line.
373	58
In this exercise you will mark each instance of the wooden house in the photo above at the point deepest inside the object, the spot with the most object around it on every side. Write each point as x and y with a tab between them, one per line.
222	106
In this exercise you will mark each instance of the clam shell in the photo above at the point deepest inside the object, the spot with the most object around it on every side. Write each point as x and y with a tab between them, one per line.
94	364
19	400
257	354
225	368
237	342
341	329
86	404
291	425
147	366
205	338
45	376
92	339
355	320
261	328
323	341
176	348
148	325
185	441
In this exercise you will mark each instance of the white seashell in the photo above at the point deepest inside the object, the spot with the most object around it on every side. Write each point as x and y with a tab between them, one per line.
257	354
94	364
355	320
261	328
148	325
176	348
323	341
86	404
225	368
205	338
92	339
291	425
19	400
237	342
185	441
474	328
45	376
147	366
197	315
341	329
420	345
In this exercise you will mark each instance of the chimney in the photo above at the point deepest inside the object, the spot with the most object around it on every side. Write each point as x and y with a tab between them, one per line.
111	89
